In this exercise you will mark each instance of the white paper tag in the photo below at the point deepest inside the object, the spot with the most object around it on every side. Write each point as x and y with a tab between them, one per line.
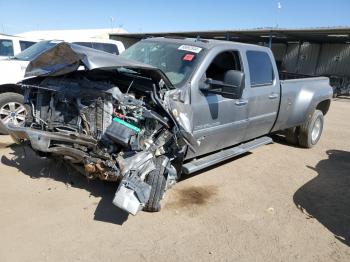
190	48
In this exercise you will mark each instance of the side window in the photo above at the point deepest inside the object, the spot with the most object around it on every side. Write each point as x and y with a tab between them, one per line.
109	48
260	68
25	44
228	60
6	47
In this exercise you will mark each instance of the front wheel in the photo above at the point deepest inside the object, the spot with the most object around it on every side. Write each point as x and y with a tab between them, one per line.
12	111
311	130
156	179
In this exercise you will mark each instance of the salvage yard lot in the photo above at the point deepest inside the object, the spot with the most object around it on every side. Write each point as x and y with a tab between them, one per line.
278	203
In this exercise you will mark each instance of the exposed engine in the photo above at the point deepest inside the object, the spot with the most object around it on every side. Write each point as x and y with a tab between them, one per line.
101	131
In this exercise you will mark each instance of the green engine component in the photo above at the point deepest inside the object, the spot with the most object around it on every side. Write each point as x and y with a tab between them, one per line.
122	122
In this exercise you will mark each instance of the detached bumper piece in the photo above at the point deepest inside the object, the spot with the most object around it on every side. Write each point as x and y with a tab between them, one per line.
42	141
132	194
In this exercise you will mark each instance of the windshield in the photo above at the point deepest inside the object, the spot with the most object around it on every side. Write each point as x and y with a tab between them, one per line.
177	61
32	52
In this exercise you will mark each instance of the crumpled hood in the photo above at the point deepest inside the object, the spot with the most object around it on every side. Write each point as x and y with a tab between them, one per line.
65	58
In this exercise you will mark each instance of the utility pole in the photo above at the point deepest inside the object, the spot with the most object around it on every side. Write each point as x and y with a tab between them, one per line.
112	23
279	7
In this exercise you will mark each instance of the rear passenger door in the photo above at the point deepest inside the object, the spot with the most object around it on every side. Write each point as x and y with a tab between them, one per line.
264	93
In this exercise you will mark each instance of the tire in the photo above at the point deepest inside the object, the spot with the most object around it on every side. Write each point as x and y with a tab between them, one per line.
10	101
311	130
157	181
292	136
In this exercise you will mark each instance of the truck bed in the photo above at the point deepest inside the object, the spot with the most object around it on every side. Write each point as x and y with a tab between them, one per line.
297	92
287	76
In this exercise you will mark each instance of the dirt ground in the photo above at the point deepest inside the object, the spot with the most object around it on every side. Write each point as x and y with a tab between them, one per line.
278	203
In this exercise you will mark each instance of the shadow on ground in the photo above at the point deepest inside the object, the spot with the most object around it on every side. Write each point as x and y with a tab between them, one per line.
281	139
327	196
342	98
25	160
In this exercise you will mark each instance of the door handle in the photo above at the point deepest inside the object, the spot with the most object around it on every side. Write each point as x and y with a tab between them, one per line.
241	102
273	95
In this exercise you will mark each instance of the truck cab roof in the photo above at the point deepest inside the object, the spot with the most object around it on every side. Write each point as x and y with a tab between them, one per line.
206	43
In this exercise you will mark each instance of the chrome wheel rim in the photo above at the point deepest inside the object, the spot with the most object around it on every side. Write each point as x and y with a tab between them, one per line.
14	113
316	130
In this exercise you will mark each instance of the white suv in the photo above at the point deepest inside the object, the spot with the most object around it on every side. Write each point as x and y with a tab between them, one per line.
12	71
13	45
106	45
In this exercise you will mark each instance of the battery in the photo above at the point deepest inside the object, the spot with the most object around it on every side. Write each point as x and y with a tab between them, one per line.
121	132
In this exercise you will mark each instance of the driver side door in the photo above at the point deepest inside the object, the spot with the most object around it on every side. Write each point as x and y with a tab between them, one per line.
218	121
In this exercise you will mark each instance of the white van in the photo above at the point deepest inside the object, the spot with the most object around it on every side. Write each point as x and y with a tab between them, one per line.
12	71
13	45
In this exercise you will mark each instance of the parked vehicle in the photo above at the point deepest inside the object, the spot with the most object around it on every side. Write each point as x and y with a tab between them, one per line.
13	45
340	84
194	104
12	71
107	45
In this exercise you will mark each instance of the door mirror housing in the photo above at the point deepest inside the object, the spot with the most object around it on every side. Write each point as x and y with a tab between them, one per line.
232	86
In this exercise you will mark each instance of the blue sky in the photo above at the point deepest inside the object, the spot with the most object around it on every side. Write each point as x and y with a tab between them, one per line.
174	15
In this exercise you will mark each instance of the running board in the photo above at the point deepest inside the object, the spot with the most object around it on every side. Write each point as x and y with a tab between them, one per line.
207	161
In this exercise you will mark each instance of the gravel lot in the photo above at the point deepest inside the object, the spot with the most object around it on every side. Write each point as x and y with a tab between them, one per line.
278	203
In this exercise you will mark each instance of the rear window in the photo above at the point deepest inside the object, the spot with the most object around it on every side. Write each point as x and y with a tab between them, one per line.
25	44
260	68
6	47
86	44
109	48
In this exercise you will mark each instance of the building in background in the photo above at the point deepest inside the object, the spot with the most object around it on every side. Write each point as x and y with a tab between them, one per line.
73	34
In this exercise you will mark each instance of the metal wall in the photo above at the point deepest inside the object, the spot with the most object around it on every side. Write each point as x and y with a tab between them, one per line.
290	58
308	58
314	59
334	60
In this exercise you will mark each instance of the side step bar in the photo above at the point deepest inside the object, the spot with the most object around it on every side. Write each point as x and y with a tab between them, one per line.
207	161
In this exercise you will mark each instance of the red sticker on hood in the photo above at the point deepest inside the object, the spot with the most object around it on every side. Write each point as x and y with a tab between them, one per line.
188	57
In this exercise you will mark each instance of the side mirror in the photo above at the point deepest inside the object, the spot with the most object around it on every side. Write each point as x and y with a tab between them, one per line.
232	86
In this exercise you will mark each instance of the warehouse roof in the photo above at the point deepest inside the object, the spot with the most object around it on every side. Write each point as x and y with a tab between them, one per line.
282	35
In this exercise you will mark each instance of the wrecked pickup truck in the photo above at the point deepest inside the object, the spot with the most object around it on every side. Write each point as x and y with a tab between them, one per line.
163	108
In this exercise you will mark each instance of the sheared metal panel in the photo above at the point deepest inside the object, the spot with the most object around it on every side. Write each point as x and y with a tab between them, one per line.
308	57
290	60
334	60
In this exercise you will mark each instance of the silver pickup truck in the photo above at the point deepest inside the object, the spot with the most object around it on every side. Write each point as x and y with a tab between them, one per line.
162	108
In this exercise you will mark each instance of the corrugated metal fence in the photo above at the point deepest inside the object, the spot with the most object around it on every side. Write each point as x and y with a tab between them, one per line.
332	60
314	59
